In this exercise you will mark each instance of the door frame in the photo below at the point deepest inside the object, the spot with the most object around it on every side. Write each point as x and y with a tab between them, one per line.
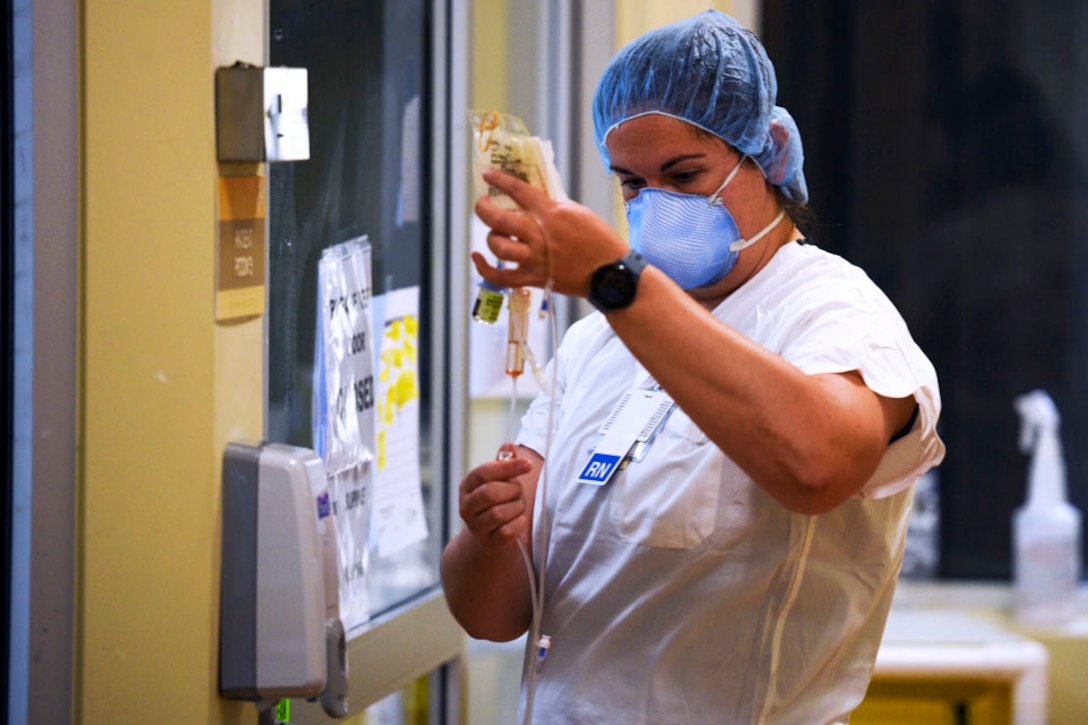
45	232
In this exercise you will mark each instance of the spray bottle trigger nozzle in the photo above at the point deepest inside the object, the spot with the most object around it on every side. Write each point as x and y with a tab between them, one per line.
1038	414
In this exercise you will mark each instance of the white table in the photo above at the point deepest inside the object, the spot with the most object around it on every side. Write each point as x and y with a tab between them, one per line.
938	644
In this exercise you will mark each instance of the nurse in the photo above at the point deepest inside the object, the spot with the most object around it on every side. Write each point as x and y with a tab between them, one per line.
720	505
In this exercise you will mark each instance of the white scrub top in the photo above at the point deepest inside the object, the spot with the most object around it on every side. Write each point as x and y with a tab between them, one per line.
681	592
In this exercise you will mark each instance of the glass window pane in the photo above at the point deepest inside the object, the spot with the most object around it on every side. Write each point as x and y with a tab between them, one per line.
368	66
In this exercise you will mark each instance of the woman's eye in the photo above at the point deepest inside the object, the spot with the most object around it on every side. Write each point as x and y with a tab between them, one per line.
685	177
632	183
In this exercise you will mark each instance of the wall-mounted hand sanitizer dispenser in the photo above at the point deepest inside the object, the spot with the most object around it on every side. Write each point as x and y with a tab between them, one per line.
278	636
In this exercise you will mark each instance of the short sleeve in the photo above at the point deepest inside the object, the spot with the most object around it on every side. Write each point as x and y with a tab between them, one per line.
852	326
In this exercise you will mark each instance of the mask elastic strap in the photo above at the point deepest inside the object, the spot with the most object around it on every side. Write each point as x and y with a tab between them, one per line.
745	243
714	199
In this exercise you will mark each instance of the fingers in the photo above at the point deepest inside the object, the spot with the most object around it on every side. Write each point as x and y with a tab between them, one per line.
492	503
501	522
514	223
503	277
501	469
510	248
516	234
548	241
508	222
511	239
523	193
495	513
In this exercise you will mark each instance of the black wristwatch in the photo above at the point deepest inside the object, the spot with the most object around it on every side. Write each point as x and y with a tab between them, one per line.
613	286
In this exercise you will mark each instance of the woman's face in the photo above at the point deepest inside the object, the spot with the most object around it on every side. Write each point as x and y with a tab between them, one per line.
666	153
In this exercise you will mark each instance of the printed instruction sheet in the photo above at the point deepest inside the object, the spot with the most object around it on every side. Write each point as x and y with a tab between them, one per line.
399	519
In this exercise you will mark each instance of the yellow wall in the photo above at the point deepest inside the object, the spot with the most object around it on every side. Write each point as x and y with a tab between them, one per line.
162	387
635	17
490	33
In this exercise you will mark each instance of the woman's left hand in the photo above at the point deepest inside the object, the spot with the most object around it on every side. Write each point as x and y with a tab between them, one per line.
548	240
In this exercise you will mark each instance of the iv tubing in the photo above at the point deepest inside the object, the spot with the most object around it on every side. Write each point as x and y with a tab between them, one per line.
539	643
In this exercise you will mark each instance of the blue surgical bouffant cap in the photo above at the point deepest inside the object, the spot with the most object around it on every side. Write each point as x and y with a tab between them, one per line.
710	71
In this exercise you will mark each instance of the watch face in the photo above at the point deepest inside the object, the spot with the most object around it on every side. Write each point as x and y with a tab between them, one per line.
616	286
613	286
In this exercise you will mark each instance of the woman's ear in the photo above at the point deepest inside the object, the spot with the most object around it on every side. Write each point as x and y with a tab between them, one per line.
779	133
779	162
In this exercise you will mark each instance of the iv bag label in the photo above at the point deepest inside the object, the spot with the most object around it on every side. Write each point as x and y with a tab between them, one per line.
488	306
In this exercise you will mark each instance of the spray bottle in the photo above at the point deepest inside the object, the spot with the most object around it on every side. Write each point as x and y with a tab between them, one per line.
1046	529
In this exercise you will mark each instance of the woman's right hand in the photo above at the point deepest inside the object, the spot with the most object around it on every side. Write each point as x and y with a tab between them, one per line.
493	504
547	240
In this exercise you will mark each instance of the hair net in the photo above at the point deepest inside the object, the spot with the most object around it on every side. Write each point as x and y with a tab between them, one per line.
710	71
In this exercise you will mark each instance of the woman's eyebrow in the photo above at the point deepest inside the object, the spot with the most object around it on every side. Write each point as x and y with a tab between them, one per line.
664	167
679	159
